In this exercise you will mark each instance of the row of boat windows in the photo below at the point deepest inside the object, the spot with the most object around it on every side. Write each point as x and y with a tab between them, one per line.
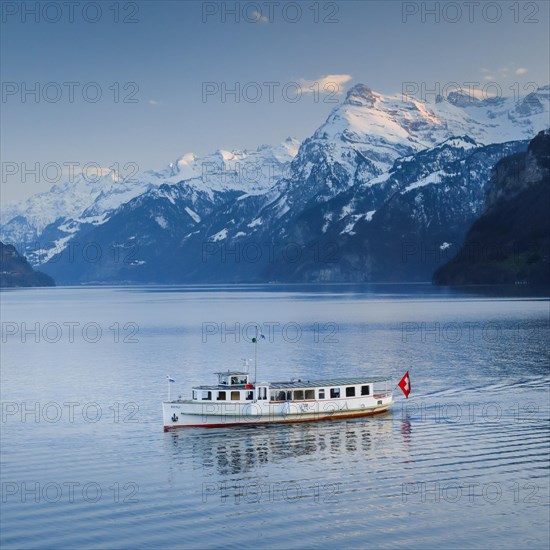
236	380
281	395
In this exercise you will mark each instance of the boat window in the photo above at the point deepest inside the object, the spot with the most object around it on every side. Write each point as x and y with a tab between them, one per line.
235	395
298	395
365	390
281	396
206	395
350	391
262	393
221	396
234	380
194	394
273	396
249	395
310	394
334	393
321	394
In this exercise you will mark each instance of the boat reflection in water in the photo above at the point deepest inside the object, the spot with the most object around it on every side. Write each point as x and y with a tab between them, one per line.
246	448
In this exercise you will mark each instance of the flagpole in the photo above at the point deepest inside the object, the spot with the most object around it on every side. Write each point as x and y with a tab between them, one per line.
169	388
256	355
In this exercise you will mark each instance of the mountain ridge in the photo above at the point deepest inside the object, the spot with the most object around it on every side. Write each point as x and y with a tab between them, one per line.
15	271
352	153
510	242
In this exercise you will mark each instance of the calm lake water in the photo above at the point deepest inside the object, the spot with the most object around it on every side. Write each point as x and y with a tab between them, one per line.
463	463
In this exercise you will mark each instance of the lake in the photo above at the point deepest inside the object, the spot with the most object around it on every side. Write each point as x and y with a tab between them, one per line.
463	463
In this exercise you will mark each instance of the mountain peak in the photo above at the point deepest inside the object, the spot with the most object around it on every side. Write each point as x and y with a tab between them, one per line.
463	142
462	99
360	94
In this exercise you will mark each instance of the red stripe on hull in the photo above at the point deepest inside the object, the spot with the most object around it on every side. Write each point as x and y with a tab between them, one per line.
228	424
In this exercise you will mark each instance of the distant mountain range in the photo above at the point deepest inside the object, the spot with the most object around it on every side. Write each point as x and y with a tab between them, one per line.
384	190
510	241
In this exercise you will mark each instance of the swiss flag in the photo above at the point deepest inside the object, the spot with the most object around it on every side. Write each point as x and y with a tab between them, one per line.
405	384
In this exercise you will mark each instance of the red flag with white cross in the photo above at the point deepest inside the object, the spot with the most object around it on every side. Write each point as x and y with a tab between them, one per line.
405	384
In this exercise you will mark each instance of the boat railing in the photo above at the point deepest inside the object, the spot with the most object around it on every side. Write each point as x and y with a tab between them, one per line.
380	395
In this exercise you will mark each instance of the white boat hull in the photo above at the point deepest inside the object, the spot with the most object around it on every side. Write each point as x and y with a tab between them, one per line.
193	414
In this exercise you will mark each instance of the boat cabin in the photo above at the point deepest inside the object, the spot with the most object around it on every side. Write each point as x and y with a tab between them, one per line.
232	378
236	386
232	386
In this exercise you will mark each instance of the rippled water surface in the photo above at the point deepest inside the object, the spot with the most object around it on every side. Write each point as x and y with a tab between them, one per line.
462	464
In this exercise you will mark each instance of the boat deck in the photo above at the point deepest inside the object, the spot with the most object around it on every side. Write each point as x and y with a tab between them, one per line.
328	382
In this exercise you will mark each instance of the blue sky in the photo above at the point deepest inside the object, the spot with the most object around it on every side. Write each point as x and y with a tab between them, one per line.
175	47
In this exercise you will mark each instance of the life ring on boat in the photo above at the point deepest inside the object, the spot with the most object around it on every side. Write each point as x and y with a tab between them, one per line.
249	386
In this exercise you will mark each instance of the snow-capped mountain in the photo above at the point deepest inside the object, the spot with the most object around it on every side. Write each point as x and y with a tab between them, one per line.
237	170
364	135
372	151
402	225
53	217
358	144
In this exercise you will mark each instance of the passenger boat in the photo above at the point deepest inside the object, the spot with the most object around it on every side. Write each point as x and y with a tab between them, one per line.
236	400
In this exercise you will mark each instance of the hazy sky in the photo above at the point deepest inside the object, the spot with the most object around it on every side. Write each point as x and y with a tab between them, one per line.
154	66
